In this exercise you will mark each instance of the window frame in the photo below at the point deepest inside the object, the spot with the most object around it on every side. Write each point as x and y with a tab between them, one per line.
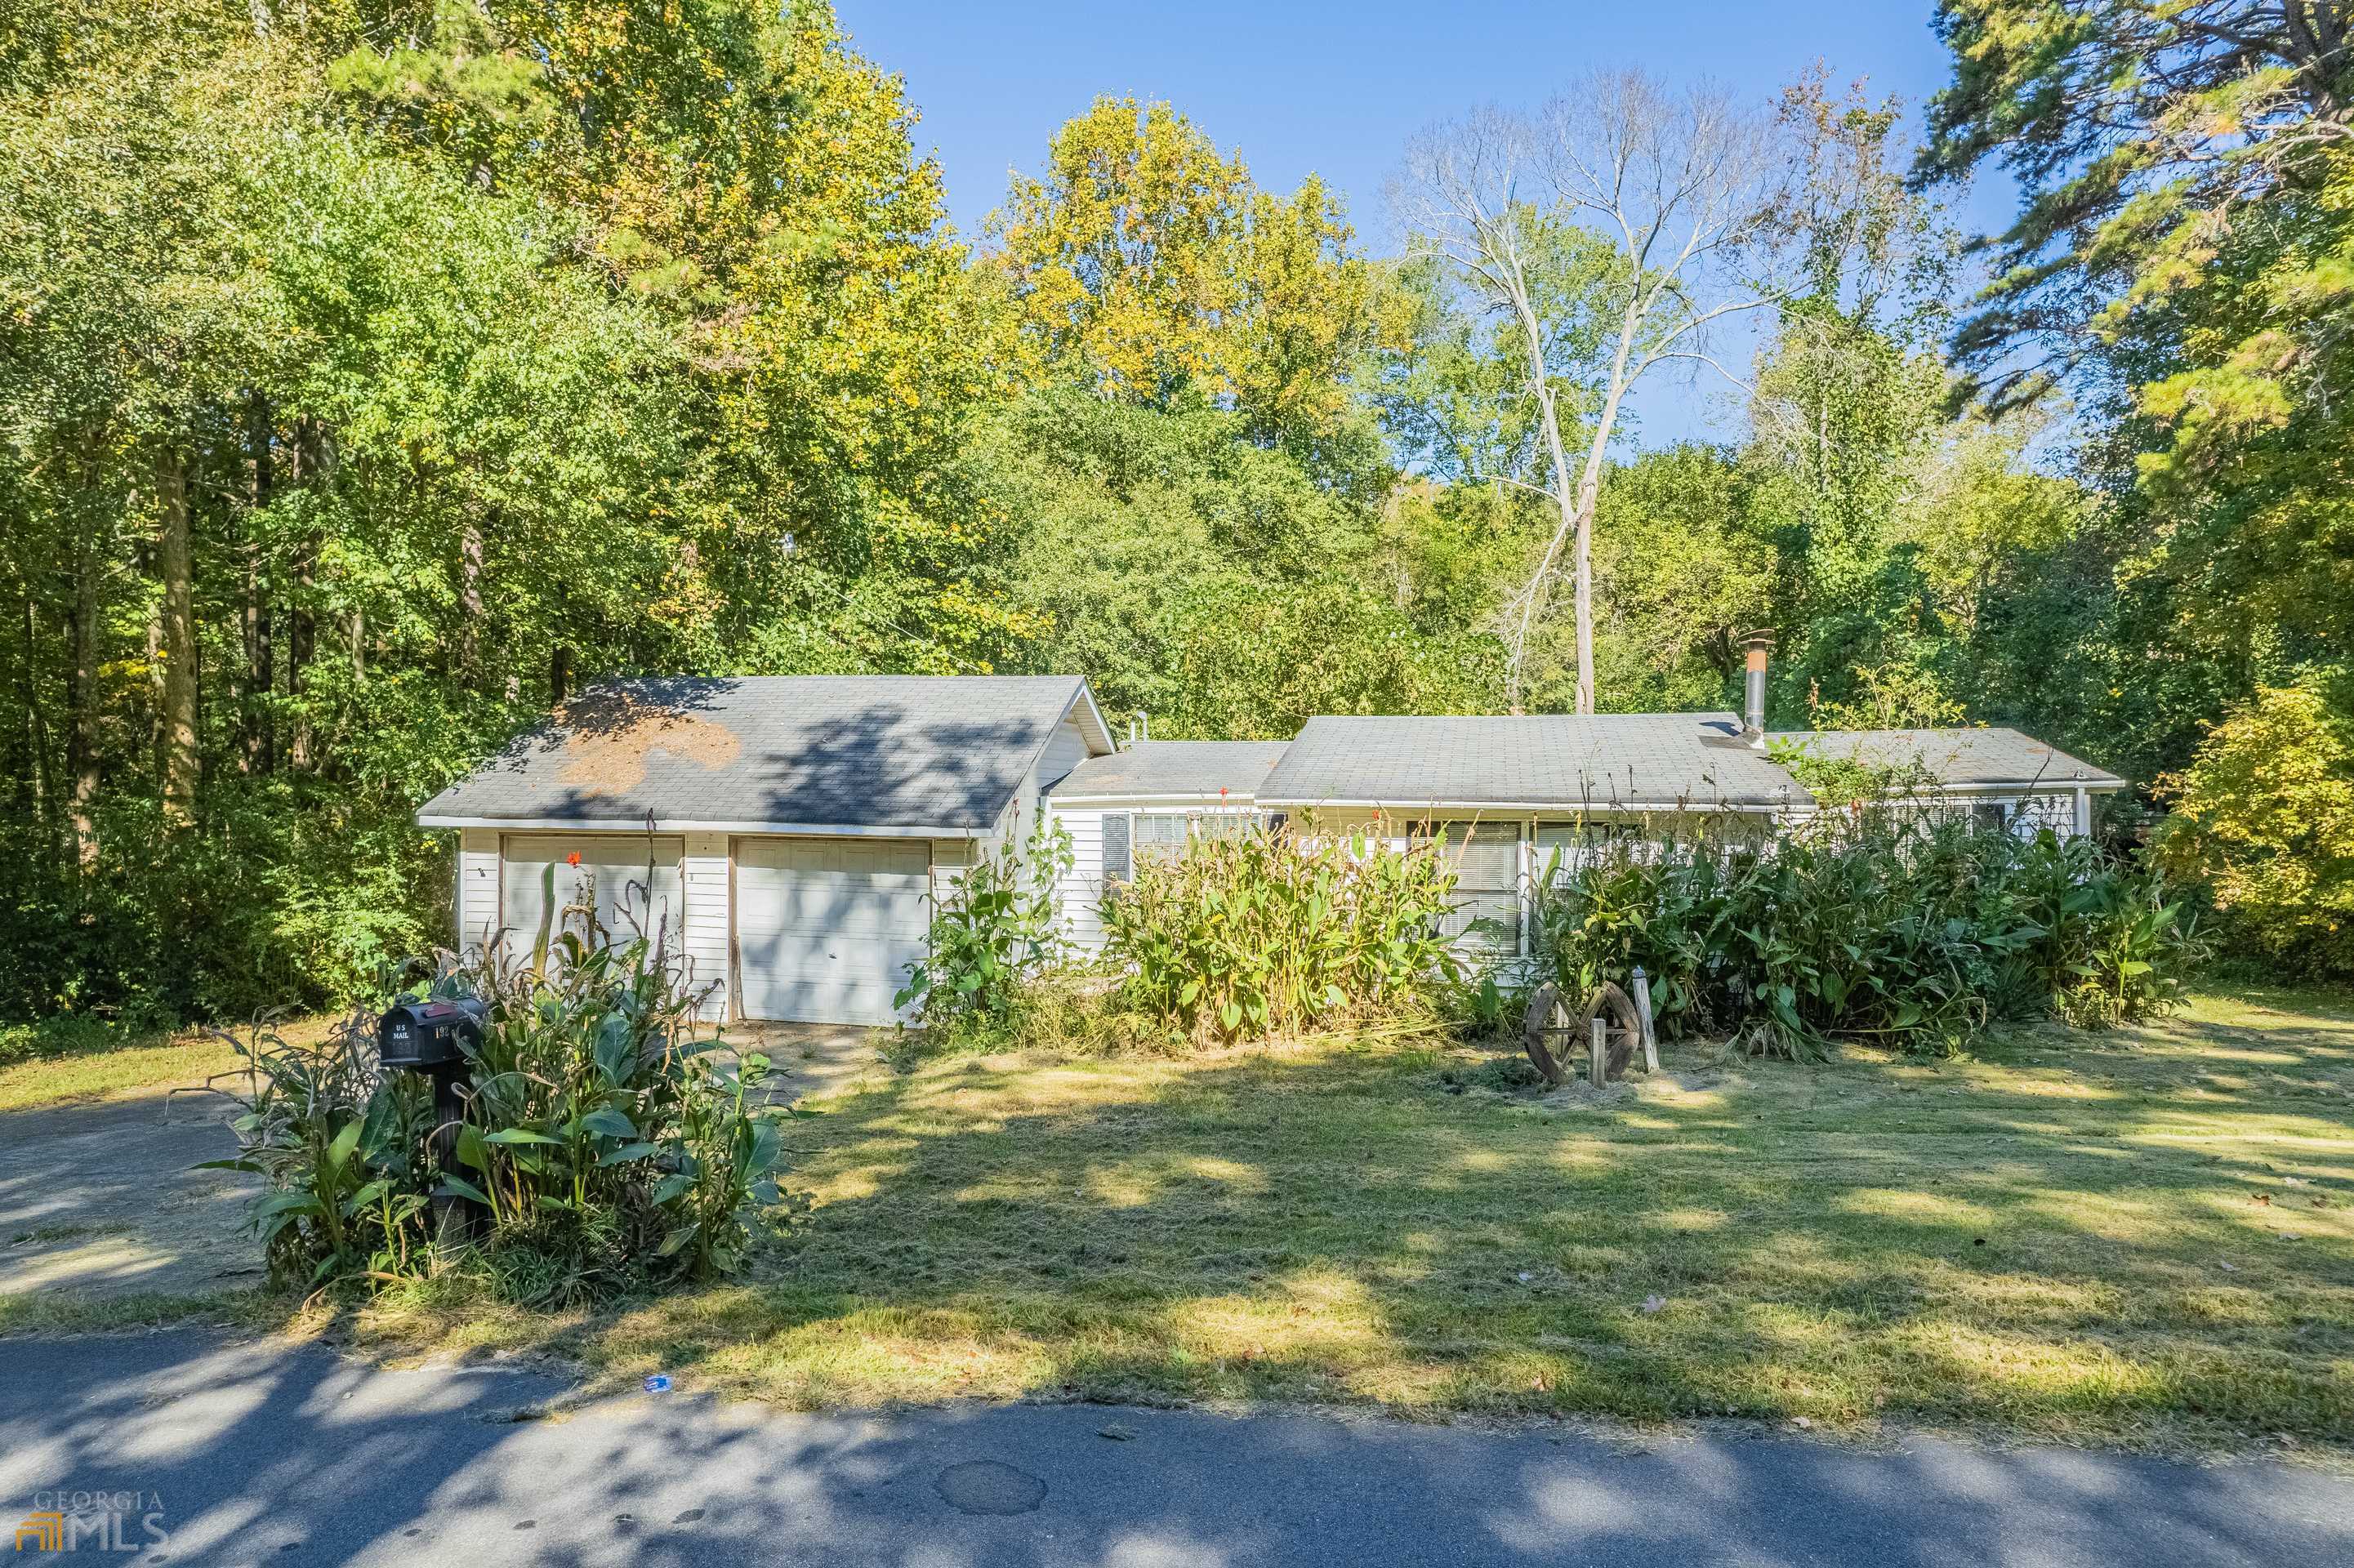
1140	849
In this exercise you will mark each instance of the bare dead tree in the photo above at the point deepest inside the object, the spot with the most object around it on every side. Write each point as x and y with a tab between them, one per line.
1684	185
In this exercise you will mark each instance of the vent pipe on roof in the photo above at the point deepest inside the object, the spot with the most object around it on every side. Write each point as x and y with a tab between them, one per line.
1752	714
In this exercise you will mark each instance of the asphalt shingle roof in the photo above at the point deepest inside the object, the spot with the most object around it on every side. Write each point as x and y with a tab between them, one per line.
1957	757
871	751
1176	767
1590	761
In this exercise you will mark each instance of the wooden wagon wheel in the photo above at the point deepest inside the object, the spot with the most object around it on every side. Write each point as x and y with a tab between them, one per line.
1553	1039
1623	1023
1547	1035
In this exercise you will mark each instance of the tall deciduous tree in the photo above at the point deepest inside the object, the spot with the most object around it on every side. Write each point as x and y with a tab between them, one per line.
1149	265
1682	185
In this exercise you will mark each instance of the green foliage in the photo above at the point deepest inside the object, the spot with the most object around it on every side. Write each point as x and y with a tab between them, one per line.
370	369
1884	925
1148	267
2264	815
1268	933
1227	589
1847	779
995	931
2182	260
602	1143
493	349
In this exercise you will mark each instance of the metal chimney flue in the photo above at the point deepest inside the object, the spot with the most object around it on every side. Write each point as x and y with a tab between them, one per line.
1752	714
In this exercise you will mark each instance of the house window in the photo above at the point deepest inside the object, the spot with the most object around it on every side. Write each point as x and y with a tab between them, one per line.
1163	835
1567	846
1158	835
1993	815
1487	860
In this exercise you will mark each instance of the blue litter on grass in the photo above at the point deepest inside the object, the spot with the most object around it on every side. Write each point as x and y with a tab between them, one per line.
657	1383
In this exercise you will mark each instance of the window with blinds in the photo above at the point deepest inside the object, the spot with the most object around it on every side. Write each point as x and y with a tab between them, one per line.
1163	835
1487	860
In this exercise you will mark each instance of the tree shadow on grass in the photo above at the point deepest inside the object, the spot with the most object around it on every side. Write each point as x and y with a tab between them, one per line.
1336	1228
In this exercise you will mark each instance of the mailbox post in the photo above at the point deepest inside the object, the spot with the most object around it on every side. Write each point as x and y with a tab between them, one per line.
433	1038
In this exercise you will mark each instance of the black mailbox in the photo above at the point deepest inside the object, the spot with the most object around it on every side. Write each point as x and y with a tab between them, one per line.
426	1034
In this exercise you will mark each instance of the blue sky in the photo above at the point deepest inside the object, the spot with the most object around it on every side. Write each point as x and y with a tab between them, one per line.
1337	88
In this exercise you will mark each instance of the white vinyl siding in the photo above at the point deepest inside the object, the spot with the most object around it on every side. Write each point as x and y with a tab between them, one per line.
1065	750
478	888
949	858
708	877
825	928
1078	892
615	862
1160	827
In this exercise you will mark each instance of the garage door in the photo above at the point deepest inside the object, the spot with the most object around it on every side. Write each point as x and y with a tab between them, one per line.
615	862
825	928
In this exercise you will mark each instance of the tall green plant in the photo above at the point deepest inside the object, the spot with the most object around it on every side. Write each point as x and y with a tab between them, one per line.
995	930
1896	926
1272	931
599	1135
341	1146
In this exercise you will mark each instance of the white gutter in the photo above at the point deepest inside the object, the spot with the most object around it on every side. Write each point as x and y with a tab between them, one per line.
1190	797
2045	786
674	825
1534	807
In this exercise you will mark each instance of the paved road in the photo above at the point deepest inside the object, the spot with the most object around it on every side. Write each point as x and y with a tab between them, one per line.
266	1454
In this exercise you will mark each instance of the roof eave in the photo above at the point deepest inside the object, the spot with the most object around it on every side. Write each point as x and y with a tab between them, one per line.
1182	797
1092	719
677	825
1525	808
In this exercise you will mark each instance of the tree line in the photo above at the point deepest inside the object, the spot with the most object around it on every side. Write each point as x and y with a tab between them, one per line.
373	372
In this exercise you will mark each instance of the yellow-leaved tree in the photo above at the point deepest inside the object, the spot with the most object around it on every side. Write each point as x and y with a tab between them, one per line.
2264	815
1147	264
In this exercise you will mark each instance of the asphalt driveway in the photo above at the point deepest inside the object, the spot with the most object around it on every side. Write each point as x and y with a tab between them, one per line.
103	1199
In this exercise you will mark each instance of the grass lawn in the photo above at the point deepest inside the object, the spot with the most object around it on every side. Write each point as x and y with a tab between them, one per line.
2144	1238
52	1065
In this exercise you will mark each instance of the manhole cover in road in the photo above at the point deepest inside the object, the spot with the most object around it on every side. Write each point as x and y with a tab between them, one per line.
984	1486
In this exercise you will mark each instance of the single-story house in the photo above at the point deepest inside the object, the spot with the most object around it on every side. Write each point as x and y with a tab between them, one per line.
1507	791
800	829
